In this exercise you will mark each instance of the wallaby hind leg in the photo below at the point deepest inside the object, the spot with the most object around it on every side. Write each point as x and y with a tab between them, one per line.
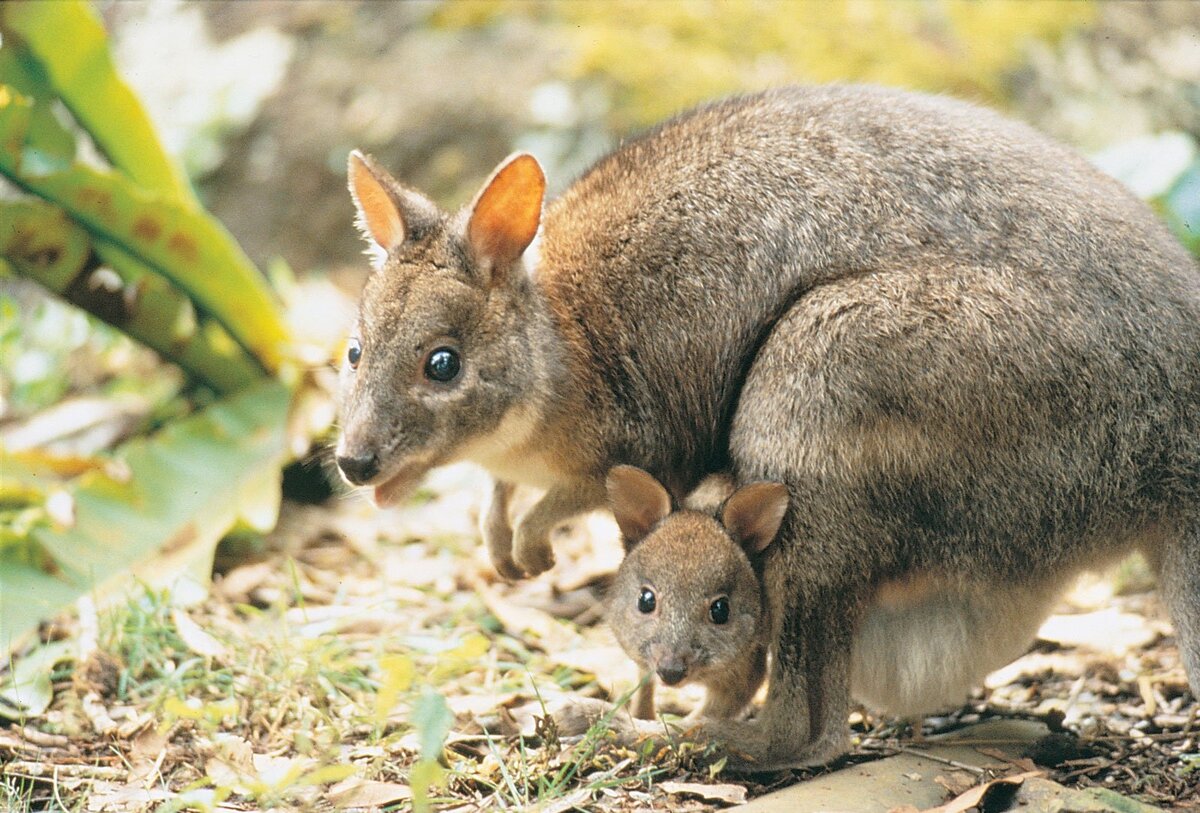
1178	561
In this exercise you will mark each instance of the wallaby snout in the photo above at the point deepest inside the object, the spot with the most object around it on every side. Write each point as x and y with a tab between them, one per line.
358	469
671	671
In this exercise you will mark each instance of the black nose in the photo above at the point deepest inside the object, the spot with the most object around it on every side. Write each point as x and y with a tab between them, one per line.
671	673
359	470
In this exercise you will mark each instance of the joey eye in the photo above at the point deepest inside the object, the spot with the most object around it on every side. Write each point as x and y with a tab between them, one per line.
353	353
646	601
442	365
718	611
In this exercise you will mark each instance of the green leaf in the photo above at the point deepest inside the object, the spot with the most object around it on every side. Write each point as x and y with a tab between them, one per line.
39	241
67	42
180	496
181	243
433	719
27	691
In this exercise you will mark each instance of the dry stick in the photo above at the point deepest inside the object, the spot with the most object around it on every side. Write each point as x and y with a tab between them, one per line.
36	737
1112	761
37	770
1162	735
901	749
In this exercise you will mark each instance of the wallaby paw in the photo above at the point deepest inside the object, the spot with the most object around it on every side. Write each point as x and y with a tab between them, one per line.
826	749
506	567
764	758
576	717
532	552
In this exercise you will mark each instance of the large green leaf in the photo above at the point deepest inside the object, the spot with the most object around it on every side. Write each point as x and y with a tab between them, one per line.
64	45
170	238
167	499
37	240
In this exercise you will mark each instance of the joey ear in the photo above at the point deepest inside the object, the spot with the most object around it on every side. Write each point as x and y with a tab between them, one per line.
638	502
506	213
388	214
753	514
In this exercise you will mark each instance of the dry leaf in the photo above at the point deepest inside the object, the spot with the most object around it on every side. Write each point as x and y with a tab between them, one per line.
729	794
1146	690
577	799
957	782
548	633
128	798
355	792
974	796
239	583
197	639
477	704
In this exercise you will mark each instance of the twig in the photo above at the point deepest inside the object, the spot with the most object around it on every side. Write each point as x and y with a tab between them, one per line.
37	770
32	735
901	749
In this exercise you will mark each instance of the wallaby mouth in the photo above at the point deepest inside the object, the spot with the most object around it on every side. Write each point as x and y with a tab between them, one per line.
392	491
402	481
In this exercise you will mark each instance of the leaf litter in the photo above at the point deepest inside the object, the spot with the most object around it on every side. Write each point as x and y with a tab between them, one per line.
372	659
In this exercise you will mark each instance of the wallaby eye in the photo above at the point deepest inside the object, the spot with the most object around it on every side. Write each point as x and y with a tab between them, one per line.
646	601
718	611
442	365
354	353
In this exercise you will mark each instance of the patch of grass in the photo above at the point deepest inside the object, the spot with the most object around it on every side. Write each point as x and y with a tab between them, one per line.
154	659
16	795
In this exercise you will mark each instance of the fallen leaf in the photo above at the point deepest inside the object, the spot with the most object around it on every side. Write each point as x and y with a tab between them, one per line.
239	583
1146	690
975	797
729	794
548	633
477	704
576	799
956	783
129	798
27	692
197	639
356	792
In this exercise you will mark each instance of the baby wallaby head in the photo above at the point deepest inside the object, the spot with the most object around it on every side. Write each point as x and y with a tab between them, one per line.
445	348
686	602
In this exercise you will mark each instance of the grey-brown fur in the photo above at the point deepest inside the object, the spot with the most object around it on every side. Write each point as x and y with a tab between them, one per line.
972	357
721	534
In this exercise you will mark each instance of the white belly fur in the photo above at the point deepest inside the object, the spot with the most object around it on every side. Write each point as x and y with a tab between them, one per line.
922	653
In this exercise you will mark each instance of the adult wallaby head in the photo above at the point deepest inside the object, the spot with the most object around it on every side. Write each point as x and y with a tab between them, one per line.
450	343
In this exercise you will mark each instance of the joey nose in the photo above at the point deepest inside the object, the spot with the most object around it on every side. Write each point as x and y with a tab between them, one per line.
359	469
671	672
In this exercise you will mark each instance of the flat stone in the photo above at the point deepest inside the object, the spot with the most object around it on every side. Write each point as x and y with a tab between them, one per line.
908	778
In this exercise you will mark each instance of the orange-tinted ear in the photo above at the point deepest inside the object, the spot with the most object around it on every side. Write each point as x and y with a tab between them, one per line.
639	502
379	217
753	514
506	213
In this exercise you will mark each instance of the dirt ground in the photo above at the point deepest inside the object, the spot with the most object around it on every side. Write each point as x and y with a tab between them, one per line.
322	672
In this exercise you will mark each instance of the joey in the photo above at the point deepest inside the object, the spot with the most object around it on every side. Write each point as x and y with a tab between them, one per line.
687	606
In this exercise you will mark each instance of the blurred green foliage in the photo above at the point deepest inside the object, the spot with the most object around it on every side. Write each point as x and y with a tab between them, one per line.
110	224
657	58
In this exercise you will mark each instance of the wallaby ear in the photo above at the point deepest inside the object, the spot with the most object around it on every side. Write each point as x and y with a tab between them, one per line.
639	502
506	213
379	217
753	514
388	214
